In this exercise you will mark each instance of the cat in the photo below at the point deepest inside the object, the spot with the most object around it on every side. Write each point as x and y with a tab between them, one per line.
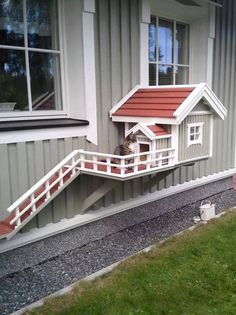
126	148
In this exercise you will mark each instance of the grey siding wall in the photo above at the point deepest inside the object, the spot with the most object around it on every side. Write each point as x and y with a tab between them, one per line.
163	143
117	62
196	150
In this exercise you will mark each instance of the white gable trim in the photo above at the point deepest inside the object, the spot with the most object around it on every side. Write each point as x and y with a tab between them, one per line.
144	129
201	91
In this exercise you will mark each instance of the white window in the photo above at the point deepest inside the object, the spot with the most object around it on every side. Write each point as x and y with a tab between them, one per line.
30	58
168	52
195	134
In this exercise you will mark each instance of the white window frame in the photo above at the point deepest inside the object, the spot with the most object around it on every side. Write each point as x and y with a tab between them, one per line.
195	133
30	114
174	64
88	108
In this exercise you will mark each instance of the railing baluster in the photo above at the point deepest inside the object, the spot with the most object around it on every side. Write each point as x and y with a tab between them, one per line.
148	161
33	208
73	169
61	177
95	159
161	156
48	192
108	160
18	221
122	166
82	158
136	160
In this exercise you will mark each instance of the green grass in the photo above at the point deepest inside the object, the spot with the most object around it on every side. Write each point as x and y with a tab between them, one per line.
193	273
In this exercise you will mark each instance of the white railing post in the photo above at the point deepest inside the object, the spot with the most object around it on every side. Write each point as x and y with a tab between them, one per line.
48	192
33	208
73	164
136	160
61	177
108	160
95	159
82	158
18	221
122	166
148	161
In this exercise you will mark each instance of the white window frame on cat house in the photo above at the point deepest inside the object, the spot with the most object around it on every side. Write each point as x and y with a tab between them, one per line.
195	131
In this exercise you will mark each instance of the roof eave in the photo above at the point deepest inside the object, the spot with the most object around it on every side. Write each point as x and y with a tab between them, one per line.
152	120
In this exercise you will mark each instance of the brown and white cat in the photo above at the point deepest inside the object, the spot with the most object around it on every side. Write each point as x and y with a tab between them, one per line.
126	148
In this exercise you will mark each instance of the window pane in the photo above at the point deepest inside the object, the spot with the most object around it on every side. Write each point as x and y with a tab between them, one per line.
192	129
181	75
152	74
152	39
165	41
11	23
42	23
13	84
45	83
182	44
165	75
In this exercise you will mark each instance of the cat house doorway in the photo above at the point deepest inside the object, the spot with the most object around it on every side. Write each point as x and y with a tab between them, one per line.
144	147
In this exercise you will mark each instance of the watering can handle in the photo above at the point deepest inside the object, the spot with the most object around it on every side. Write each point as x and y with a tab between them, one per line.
208	202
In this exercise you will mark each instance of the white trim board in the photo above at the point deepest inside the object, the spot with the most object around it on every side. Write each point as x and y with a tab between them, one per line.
79	220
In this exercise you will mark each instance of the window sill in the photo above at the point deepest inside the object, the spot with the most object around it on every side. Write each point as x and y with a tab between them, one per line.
41	124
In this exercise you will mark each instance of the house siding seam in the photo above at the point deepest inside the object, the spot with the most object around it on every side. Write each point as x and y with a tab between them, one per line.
117	72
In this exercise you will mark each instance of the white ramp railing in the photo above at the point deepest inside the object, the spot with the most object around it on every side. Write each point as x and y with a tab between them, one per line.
36	198
125	166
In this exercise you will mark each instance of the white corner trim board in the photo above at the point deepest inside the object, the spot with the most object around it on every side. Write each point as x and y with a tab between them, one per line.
89	75
79	220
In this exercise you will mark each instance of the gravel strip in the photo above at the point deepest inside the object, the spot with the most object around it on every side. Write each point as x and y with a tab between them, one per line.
32	283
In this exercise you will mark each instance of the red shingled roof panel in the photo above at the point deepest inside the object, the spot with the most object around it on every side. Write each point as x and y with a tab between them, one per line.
158	130
154	102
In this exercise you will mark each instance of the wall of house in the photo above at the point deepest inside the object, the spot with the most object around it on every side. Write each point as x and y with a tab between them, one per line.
197	150
117	71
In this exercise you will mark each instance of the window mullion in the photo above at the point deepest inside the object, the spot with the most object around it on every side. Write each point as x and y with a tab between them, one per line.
174	56
157	52
27	56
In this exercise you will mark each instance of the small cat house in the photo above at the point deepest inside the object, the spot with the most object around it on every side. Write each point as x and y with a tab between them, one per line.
179	118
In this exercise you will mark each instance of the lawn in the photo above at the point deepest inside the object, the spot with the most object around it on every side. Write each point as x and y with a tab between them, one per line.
192	273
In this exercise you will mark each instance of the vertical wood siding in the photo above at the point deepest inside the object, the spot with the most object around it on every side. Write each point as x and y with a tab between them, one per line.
197	150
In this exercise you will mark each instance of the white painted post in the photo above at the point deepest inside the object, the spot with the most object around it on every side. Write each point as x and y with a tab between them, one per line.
108	160
95	166
33	208
82	158
148	166
122	166
73	169
160	157
136	160
48	192
60	175
18	221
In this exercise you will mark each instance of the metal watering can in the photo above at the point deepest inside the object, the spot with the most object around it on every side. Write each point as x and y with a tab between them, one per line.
207	210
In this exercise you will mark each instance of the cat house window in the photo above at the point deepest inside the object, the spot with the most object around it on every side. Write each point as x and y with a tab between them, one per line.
168	52
30	58
195	134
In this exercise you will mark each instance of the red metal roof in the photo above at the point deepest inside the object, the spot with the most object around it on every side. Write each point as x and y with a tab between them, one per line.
158	130
154	102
